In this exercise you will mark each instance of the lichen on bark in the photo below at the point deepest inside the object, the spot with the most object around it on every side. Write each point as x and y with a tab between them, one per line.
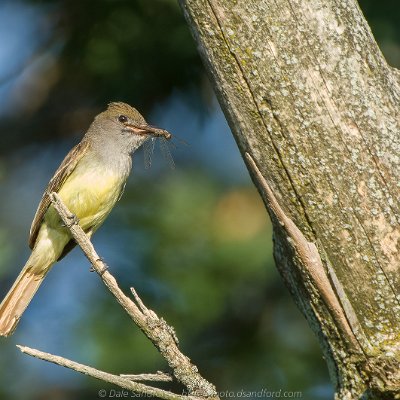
308	94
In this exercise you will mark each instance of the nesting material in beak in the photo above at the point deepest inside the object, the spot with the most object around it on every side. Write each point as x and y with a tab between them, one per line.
149	130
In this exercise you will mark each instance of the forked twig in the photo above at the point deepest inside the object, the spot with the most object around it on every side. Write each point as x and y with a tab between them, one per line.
156	329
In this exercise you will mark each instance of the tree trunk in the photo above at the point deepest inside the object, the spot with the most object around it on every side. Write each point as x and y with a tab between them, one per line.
309	96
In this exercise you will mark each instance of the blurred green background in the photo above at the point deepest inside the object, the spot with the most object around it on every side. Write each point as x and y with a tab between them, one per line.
195	241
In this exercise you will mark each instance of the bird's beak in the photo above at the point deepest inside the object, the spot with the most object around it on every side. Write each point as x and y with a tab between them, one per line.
148	130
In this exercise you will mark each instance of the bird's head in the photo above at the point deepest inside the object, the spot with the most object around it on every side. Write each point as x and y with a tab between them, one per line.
125	125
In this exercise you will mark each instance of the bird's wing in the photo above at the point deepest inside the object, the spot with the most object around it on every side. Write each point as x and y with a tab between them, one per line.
63	172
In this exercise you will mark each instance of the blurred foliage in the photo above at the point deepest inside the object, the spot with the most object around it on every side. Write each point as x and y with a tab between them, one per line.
5	253
195	243
93	53
383	18
133	48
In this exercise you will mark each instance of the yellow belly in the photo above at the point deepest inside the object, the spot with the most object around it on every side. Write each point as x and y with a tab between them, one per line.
90	193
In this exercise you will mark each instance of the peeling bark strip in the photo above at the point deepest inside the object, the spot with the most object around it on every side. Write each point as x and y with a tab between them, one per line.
309	256
308	94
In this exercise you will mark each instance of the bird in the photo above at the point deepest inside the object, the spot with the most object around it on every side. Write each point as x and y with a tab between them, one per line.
89	181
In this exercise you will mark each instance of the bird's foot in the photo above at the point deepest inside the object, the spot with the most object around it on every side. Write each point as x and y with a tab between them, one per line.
72	220
104	268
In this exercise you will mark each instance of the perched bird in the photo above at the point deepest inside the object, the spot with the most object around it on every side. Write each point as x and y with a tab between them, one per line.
89	181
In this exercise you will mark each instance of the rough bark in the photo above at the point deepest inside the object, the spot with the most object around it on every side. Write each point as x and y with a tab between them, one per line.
309	96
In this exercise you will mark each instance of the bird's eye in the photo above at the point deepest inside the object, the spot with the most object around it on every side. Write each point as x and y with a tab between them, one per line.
123	118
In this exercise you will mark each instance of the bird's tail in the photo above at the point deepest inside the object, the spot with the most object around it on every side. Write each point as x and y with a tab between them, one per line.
19	297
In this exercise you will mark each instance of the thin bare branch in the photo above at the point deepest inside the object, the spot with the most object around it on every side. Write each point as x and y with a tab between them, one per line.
120	381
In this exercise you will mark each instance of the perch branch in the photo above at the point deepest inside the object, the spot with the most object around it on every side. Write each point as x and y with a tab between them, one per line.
156	329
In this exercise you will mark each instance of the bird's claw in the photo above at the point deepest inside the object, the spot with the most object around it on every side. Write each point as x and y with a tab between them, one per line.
73	220
104	269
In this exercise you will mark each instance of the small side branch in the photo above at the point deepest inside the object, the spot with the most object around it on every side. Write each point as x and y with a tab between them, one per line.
156	329
159	376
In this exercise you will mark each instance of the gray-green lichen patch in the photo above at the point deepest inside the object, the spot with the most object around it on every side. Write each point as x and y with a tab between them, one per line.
307	92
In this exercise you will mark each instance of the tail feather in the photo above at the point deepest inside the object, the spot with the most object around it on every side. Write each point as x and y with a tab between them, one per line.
18	298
